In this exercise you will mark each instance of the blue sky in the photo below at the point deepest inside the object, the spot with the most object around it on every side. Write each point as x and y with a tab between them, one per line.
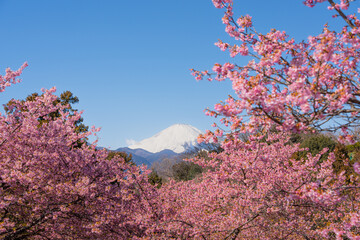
128	61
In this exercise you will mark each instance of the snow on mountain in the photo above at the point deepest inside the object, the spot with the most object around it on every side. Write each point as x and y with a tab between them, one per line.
177	138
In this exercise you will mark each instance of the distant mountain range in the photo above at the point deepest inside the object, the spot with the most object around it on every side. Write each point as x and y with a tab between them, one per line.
168	143
141	156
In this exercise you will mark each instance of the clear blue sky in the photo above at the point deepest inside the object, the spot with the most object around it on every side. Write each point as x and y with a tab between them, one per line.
128	61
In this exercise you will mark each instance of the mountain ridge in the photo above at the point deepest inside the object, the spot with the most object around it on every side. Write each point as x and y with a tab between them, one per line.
139	157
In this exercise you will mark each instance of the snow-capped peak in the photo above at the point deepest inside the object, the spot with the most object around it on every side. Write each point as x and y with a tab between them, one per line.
178	138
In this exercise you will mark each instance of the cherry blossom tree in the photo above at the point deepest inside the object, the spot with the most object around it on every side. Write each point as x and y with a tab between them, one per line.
53	188
296	86
256	189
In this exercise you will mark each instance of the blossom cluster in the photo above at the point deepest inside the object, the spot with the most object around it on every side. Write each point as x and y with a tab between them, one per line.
294	86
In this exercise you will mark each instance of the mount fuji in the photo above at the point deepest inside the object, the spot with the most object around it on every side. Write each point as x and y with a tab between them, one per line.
177	138
168	143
